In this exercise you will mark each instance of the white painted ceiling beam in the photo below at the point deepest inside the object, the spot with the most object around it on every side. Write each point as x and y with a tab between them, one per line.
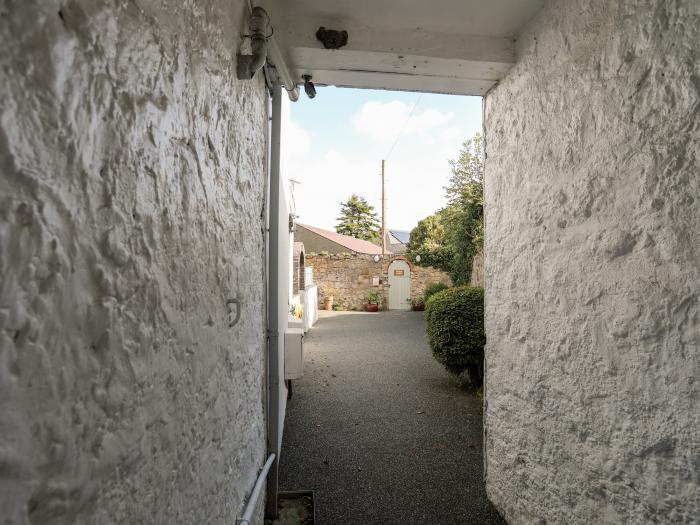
402	82
413	41
445	46
412	59
308	60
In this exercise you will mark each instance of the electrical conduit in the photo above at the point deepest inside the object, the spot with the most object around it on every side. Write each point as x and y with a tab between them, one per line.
253	500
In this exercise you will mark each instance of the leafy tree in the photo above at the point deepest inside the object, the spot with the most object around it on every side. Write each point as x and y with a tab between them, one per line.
449	239
465	220
358	219
429	240
466	185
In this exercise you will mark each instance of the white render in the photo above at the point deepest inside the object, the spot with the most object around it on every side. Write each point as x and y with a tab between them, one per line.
132	191
131	208
593	268
309	299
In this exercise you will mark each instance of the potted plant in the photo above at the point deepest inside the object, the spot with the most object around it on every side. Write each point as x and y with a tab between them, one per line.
374	299
418	304
329	294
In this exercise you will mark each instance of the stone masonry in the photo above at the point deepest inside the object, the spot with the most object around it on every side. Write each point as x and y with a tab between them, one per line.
351	275
592	199
132	189
477	277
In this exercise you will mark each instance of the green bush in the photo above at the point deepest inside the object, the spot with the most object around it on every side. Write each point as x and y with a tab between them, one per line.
374	297
455	328
434	288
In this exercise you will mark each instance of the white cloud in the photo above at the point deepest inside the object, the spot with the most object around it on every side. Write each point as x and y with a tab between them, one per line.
415	182
452	134
297	141
328	180
347	159
384	121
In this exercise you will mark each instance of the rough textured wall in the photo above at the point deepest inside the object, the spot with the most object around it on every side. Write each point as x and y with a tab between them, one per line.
351	275
593	267
477	277
131	192
424	276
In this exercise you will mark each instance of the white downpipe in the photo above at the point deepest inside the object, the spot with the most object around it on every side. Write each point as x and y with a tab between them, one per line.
273	358
275	55
253	500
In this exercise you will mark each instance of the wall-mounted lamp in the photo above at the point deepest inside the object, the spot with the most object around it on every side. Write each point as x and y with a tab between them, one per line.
376	258
309	86
417	258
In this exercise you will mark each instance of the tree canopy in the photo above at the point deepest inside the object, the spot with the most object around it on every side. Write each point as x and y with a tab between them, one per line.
449	239
358	219
429	240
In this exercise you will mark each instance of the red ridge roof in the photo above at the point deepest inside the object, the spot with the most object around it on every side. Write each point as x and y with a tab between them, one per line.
351	243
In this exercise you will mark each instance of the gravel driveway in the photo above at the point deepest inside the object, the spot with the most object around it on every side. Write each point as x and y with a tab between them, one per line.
380	431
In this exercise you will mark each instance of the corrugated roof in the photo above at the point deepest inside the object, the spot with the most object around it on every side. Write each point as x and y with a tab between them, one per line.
351	243
401	235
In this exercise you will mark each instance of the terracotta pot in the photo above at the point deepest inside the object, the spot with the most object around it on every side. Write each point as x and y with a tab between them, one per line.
328	303
372	307
418	307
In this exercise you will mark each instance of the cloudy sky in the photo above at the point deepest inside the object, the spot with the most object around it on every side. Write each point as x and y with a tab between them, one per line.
336	142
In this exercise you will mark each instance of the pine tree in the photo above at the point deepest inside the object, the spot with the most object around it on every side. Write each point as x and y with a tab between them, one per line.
358	219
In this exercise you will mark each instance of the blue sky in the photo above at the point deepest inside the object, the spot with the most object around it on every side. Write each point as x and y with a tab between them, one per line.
335	144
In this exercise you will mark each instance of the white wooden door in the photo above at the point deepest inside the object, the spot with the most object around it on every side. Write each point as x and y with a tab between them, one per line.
399	285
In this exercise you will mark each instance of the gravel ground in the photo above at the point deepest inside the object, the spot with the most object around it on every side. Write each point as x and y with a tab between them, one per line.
380	431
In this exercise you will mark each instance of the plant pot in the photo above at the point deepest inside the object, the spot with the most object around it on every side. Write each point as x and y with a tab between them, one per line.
418	307
328	303
372	307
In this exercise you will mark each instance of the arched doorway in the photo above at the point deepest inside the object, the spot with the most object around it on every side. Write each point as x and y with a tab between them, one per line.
399	285
298	269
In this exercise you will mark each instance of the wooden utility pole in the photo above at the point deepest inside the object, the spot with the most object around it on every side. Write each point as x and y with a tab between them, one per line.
383	213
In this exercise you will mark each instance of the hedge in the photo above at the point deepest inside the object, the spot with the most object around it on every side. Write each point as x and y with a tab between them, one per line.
455	328
434	288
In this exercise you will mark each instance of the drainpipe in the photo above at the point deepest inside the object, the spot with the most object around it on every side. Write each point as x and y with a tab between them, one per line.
275	55
271	51
258	24
273	360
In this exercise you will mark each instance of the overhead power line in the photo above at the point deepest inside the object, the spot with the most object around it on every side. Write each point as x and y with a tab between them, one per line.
410	114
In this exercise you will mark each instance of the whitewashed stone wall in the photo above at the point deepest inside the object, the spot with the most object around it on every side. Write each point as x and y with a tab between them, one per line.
131	192
593	267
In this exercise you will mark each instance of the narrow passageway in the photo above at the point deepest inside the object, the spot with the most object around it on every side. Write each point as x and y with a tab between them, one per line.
380	431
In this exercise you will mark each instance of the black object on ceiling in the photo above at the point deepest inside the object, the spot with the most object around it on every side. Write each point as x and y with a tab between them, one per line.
332	39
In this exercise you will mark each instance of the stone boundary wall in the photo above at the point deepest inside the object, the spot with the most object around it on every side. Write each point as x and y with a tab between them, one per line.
352	275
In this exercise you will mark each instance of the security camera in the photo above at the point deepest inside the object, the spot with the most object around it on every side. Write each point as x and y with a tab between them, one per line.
309	86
